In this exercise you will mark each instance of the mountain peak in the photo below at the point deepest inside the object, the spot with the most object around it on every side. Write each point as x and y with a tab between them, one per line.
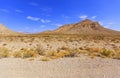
87	21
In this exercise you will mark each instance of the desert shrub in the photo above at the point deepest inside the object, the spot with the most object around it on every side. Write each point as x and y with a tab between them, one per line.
25	53
50	53
106	53
45	59
4	52
75	52
17	54
94	49
64	48
40	50
63	52
29	53
60	54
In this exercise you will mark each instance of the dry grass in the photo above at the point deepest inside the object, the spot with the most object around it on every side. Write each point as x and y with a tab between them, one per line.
4	52
94	49
50	54
62	53
29	53
17	54
25	53
45	58
31	59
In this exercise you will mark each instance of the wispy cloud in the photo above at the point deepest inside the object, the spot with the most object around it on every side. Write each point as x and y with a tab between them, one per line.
33	4
33	18
19	11
45	21
57	24
93	17
108	25
38	19
83	16
4	10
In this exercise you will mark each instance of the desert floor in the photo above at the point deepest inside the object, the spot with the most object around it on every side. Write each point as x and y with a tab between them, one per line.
77	67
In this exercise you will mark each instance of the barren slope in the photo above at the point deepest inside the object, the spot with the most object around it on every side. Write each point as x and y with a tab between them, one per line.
85	27
6	31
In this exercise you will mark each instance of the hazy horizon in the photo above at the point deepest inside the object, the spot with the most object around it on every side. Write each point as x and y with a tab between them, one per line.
40	15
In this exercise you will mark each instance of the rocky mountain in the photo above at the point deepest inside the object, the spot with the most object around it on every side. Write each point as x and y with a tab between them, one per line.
6	31
85	27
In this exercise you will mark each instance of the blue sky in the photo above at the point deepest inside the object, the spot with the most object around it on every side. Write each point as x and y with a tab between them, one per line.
39	15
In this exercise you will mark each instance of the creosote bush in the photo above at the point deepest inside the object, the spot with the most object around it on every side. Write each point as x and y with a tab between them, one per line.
106	53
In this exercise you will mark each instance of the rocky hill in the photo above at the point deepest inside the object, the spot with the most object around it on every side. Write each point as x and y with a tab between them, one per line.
85	27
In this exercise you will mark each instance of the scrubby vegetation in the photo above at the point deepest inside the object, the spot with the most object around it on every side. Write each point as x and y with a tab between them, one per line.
60	53
4	52
54	46
45	59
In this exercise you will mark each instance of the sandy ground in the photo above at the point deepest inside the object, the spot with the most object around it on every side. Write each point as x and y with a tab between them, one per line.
79	67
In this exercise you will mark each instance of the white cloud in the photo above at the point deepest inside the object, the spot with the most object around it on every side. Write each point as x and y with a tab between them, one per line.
33	18
93	17
83	16
57	24
5	10
38	19
45	21
18	11
33	4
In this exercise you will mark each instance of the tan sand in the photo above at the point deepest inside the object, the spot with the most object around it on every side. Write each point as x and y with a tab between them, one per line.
79	67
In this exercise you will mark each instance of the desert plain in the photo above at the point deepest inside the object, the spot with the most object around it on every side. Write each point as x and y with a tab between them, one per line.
81	50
